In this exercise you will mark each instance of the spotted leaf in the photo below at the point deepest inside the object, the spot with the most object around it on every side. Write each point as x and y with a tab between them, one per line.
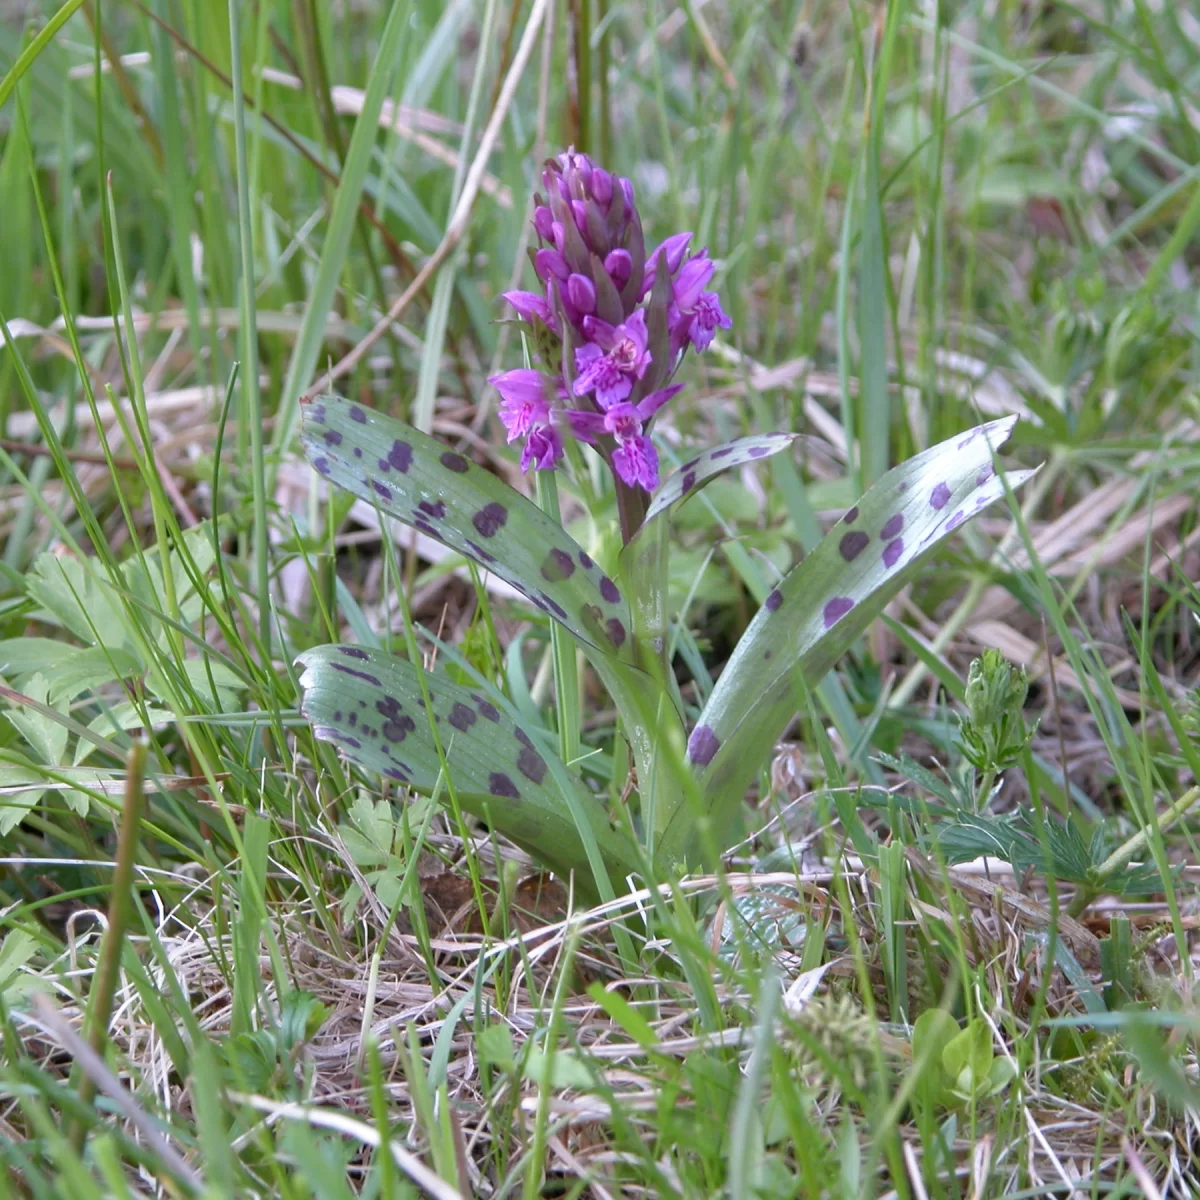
370	705
698	471
422	482
825	603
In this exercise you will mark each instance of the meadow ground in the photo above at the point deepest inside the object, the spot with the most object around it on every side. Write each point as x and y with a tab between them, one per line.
232	966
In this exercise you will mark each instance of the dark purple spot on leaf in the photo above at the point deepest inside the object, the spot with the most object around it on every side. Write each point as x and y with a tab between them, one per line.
758	451
462	717
480	553
396	773
688	481
968	439
983	475
489	519
559	565
321	464
435	509
337	716
499	784
523	737
836	609
852	544
616	632
531	764
702	745
767	655
724	452
427	529
940	496
956	520
687	466
902	486
357	414
486	707
400	456
316	414
396	724
345	670
551	606
892	551
609	590
352	720
774	600
893	527
851	515
585	560
454	462
332	437
353	652
382	489
982	499
358	452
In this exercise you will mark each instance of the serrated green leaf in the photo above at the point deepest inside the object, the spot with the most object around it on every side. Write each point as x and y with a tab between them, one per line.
71	596
47	737
970	836
118	718
702	469
420	481
826	602
370	705
21	788
87	668
24	656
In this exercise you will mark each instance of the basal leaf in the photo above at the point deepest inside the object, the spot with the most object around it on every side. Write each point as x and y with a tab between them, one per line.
369	704
826	602
420	481
696	472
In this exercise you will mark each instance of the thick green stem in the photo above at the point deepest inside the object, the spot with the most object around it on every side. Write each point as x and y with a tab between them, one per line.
566	666
104	983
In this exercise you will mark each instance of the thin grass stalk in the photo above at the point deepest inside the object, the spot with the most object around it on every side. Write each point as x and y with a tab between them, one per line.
252	410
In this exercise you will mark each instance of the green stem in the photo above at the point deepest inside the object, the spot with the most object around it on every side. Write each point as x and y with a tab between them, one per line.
104	984
566	666
1124	853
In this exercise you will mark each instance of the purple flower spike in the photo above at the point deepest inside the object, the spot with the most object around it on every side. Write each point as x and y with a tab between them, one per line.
619	265
549	263
635	459
675	247
612	360
525	409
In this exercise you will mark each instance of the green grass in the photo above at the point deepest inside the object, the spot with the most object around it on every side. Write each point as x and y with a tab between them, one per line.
247	970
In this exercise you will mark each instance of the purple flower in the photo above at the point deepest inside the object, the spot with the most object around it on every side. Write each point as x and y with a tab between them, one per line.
525	410
635	460
532	305
695	314
612	359
675	247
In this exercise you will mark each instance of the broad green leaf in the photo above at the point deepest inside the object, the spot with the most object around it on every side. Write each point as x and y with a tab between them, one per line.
696	472
369	704
421	482
825	603
17	948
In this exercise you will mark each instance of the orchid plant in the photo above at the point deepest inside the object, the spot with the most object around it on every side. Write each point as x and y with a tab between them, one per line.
609	328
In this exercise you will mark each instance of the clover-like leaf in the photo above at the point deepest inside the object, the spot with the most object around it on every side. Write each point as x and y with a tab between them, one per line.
825	603
370	705
422	482
702	469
